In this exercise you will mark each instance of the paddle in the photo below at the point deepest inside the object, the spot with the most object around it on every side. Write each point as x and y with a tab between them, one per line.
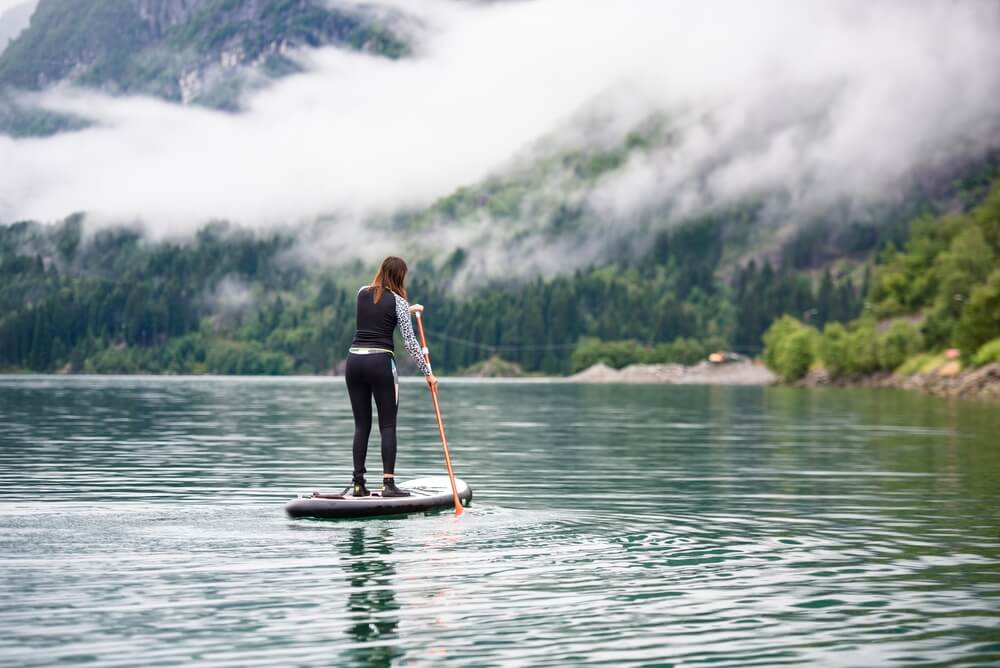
437	413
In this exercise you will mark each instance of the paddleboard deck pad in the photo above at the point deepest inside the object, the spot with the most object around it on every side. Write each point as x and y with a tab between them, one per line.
426	494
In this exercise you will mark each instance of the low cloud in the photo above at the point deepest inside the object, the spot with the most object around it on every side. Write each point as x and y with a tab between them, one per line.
806	103
229	298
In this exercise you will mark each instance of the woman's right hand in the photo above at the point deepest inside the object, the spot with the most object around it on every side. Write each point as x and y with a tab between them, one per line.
432	382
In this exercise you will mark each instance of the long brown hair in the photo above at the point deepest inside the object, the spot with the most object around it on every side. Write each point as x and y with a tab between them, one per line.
391	275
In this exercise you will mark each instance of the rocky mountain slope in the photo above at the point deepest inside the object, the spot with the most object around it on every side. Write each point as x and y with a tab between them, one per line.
191	51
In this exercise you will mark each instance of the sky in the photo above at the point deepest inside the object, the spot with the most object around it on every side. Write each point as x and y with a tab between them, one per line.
7	4
808	103
12	25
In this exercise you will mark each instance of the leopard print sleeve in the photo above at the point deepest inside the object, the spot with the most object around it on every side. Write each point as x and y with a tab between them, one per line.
409	340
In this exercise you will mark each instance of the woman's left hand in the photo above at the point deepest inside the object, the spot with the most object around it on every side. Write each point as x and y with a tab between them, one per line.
416	308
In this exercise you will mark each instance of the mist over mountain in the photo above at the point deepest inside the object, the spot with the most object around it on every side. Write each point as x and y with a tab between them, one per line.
535	137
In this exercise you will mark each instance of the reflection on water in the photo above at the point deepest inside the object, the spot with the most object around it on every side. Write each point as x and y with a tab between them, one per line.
141	523
372	603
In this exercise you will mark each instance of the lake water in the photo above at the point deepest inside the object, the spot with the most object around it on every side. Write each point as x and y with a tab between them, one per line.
141	523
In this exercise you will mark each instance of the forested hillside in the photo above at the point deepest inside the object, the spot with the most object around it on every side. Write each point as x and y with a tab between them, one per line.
230	301
234	301
940	290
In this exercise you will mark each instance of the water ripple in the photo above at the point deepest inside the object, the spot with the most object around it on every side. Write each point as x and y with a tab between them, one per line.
141	524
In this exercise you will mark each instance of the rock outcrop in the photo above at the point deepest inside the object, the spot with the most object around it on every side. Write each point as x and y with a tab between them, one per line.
981	383
704	373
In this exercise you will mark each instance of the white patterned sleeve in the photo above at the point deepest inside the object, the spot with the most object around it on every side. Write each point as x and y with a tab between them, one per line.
409	340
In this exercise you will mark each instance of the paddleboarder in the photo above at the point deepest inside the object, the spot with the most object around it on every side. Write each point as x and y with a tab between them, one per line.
371	369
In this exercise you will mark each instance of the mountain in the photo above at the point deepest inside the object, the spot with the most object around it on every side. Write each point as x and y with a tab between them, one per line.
602	240
205	52
13	21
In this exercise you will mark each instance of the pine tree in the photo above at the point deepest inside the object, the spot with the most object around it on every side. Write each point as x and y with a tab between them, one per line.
824	300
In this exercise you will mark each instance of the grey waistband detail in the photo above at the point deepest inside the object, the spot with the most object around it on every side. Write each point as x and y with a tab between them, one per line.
369	351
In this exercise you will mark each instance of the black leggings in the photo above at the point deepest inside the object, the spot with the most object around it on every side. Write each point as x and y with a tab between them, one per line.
371	375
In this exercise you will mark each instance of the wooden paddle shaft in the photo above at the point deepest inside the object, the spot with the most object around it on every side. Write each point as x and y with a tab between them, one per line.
440	420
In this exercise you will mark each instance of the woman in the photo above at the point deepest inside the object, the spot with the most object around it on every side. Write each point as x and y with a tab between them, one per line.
371	369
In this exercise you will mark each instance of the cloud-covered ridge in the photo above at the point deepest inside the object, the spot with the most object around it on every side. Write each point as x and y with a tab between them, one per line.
815	101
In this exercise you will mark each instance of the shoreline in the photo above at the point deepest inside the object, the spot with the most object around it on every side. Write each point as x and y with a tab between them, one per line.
979	383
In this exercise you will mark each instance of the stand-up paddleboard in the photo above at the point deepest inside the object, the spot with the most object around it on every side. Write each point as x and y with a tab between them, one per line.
426	494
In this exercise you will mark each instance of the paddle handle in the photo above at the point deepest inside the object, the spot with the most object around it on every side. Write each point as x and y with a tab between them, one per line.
437	413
